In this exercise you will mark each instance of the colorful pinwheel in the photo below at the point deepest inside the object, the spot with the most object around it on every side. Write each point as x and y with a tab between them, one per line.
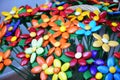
88	29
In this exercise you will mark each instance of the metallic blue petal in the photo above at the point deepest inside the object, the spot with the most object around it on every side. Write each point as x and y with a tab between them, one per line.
109	76
92	24
96	28
80	32
94	53
81	25
103	69
116	76
87	33
83	68
93	70
99	62
117	68
110	62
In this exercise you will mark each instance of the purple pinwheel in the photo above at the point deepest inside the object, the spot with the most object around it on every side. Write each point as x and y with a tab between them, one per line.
92	64
12	27
111	70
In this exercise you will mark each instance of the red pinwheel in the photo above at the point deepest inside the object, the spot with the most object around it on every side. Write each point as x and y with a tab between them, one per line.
25	58
61	10
98	17
117	55
34	34
79	56
14	39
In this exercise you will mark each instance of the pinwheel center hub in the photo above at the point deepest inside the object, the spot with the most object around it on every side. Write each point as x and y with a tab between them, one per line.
56	70
62	28
27	56
46	37
77	13
60	8
33	34
57	44
98	75
10	28
78	55
105	40
12	12
1	58
114	24
87	27
34	49
14	38
96	18
112	69
44	66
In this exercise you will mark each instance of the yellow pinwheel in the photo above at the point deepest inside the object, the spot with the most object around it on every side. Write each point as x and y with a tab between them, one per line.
12	14
78	14
104	42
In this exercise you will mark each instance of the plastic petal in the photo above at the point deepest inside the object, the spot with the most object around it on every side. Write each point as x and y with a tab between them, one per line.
113	43
96	36
28	50
106	47
97	43
110	62
80	32
33	57
109	76
116	76
92	24
87	33
81	25
34	43
103	69
83	68
96	28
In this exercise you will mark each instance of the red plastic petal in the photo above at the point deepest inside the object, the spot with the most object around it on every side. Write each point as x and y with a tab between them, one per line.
31	29
70	54
28	40
92	15
73	62
87	55
24	36
62	13
50	60
117	55
17	33
21	55
8	38
87	21
80	48
13	43
40	60
68	11
35	10
103	14
40	32
24	61
82	62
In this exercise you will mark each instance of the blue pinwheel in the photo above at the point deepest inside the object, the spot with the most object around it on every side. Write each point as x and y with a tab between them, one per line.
111	70
87	29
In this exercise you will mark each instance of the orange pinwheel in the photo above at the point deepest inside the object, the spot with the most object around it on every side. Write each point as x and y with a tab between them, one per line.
4	59
3	30
43	65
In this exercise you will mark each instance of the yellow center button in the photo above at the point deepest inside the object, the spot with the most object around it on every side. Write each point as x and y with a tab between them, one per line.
14	38
10	28
32	34
62	28
114	24
60	8
112	69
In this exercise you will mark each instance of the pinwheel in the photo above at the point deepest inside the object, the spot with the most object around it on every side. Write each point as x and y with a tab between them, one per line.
25	58
111	70
4	59
35	49
61	10
14	39
12	14
78	14
88	29
46	6
104	42
43	65
33	34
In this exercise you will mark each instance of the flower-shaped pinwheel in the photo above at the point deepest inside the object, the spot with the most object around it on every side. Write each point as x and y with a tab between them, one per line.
46	6
111	70
42	66
79	56
88	29
35	49
92	64
78	14
25	58
33	34
14	39
11	28
4	59
58	3
25	11
115	26
12	14
59	70
61	10
104	42
3	30
96	16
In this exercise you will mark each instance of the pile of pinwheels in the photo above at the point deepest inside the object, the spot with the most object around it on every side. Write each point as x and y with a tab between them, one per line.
58	42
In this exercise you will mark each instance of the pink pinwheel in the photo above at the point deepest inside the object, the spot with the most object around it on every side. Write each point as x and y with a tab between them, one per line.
61	10
34	34
79	56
